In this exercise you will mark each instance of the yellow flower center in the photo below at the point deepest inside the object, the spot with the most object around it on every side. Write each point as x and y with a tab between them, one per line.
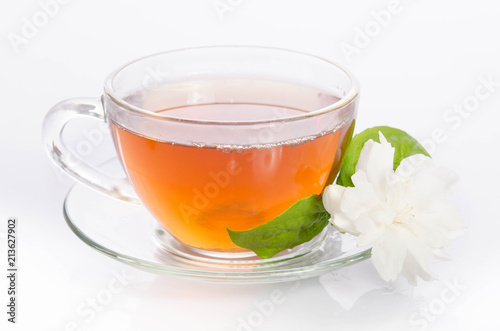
404	215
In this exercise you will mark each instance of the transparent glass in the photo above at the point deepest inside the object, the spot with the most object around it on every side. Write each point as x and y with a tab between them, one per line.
216	137
123	231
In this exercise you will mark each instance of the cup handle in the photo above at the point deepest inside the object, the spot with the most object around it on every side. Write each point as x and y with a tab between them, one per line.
72	164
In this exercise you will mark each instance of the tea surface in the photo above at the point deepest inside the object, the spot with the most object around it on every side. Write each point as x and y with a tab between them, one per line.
196	192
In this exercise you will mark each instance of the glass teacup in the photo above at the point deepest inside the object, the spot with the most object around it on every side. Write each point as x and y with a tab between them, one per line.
216	137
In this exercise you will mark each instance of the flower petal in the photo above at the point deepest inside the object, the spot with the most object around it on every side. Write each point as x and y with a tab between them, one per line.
343	224
437	229
408	166
428	184
359	199
376	160
389	253
331	198
372	226
369	231
398	191
417	261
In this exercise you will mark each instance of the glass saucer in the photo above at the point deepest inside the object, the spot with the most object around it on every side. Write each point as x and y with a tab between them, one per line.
128	233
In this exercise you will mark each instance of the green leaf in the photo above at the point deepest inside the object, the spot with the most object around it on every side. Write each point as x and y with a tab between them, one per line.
404	145
303	221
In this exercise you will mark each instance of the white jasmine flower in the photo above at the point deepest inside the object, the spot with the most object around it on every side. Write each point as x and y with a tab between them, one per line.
403	213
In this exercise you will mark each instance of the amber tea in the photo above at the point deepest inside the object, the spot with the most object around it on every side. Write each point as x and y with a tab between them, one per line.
197	190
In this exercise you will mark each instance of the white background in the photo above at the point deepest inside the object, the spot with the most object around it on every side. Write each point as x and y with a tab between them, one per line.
428	58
